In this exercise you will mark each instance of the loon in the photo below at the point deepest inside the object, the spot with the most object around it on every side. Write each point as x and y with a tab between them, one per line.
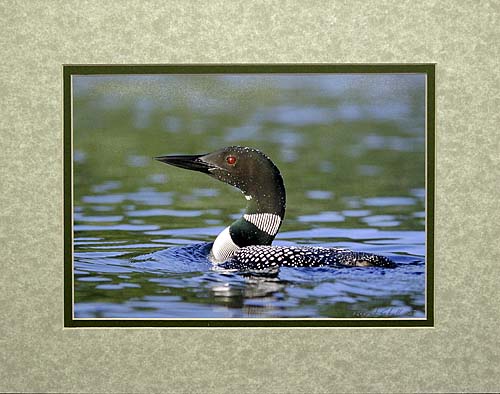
246	243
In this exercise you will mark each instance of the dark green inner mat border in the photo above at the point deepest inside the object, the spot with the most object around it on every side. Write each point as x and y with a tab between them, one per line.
70	70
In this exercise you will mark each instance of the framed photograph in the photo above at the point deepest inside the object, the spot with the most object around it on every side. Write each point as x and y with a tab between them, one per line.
249	195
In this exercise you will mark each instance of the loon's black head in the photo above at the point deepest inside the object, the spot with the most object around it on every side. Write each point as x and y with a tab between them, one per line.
248	169
258	178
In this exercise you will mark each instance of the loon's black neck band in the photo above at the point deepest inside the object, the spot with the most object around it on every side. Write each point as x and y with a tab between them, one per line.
244	233
263	215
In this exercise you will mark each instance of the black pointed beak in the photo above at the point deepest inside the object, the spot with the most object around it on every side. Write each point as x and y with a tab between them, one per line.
189	162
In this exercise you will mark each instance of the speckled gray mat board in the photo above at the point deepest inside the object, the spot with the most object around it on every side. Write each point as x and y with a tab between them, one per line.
460	354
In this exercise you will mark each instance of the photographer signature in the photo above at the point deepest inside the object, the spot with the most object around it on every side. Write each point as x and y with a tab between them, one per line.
385	312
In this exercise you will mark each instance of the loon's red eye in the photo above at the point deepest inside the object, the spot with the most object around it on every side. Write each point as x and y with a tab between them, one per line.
231	160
